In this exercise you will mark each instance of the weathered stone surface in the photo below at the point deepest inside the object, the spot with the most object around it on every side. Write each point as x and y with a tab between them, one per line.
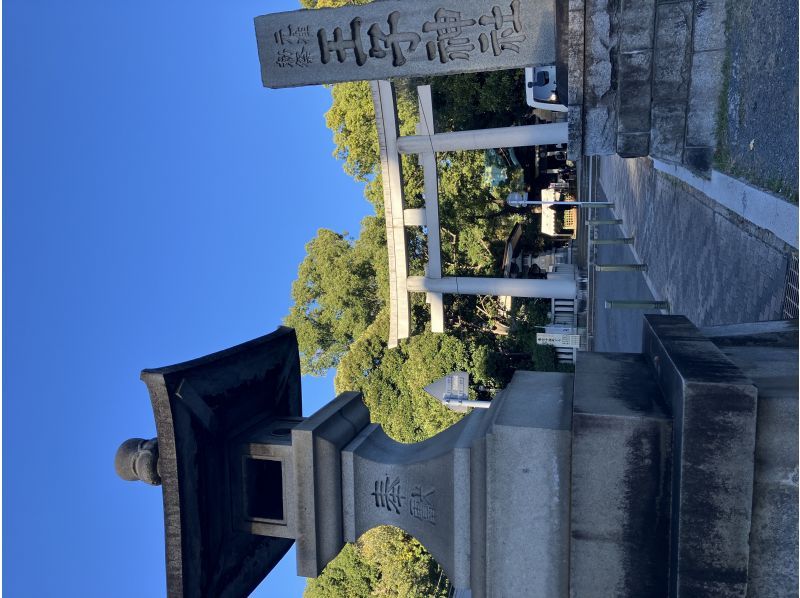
575	128
633	145
714	409
621	464
770	359
600	51
395	38
198	405
636	24
576	5
600	85
487	497
668	127
575	58
527	485
672	62
709	25
698	159
562	49
635	72
701	116
576	80
600	130
316	445
418	488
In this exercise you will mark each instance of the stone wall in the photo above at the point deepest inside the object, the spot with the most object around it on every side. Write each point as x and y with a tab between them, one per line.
645	78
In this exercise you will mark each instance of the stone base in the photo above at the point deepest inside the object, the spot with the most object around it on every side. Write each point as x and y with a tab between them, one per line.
528	446
621	468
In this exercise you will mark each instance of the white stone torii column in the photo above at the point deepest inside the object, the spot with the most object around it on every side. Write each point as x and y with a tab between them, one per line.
546	134
551	288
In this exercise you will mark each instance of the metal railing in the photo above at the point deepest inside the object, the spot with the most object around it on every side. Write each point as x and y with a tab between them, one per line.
790	299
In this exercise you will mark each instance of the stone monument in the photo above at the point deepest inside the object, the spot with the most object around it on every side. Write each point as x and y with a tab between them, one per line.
397	38
670	473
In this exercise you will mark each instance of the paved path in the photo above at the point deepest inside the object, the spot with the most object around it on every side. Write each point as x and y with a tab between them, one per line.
617	329
710	264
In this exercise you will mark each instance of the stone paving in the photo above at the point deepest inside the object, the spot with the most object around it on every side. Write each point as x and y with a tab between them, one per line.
617	329
710	264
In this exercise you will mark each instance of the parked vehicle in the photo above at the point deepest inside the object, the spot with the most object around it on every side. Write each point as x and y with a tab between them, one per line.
540	88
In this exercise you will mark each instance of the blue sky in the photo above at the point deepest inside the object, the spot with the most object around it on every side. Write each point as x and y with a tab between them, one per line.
156	202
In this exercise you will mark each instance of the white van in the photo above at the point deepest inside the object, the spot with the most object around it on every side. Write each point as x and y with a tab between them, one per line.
540	88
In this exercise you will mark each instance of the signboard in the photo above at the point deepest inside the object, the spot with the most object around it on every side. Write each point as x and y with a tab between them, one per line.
399	38
559	329
453	386
571	341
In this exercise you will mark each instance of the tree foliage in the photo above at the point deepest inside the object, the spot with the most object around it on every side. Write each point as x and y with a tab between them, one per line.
392	380
341	287
384	562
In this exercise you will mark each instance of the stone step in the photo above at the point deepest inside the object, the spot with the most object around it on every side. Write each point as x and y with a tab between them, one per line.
621	468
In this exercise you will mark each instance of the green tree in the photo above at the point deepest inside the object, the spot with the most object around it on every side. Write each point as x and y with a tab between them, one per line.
392	380
384	562
341	287
348	575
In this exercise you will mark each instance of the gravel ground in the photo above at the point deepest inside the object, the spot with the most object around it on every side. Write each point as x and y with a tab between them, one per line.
758	129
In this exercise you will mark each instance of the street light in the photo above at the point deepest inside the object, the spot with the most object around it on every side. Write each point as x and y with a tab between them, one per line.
518	200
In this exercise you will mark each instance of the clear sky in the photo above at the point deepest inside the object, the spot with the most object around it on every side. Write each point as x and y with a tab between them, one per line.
156	204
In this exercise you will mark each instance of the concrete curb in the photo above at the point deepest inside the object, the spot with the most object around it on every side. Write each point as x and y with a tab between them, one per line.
763	209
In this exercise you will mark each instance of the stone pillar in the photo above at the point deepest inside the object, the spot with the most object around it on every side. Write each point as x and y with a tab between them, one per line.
548	134
620	267
487	497
551	288
618	241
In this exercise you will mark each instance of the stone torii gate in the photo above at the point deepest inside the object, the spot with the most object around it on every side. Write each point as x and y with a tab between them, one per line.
386	39
425	144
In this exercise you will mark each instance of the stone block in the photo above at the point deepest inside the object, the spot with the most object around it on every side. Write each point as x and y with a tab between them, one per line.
576	5
599	131
709	25
773	536
398	38
701	116
621	467
635	71
637	24
575	57
633	145
601	47
575	129
562	41
672	62
528	449
714	410
316	445
668	126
